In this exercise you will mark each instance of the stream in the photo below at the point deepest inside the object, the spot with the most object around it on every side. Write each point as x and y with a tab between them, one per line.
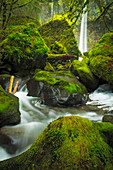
35	117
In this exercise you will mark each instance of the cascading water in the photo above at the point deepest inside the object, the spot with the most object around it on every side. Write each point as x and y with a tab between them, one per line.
83	33
35	117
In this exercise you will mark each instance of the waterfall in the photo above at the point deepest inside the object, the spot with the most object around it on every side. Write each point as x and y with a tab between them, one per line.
83	33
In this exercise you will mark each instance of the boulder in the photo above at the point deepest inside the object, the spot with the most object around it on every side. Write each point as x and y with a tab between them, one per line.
70	142
59	88
107	118
81	70
9	109
101	58
23	49
59	30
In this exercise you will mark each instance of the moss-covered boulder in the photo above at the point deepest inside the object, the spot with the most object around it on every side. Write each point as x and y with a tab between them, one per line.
68	143
59	29
101	58
23	48
81	69
61	61
9	109
58	48
59	88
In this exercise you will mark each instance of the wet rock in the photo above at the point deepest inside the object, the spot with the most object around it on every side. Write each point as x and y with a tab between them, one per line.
9	109
107	118
58	88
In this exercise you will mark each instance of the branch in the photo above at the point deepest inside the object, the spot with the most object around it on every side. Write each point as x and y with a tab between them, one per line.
19	6
9	14
104	11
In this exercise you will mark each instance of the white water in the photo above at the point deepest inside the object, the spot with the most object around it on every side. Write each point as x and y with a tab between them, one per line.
83	34
35	117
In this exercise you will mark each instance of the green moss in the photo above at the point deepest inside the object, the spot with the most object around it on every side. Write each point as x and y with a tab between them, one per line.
23	47
81	69
67	143
58	29
100	58
60	79
58	48
101	66
103	47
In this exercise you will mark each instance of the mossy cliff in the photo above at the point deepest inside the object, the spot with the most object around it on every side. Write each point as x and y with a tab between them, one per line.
59	29
68	143
101	58
9	108
23	48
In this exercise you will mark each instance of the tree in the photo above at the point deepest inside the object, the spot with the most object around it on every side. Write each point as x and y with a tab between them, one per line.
7	7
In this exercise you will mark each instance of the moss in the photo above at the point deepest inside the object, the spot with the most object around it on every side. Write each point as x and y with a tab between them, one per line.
54	31
67	143
23	48
101	66
9	108
103	47
60	79
22	20
58	48
48	67
81	69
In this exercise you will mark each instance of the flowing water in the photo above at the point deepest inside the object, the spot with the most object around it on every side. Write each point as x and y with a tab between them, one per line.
35	117
83	34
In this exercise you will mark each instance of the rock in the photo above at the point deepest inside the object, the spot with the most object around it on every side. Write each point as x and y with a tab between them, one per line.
9	109
70	142
59	88
81	69
23	48
61	61
60	30
107	118
101	58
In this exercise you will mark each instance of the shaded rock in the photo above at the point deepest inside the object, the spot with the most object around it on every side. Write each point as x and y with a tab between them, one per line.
107	118
60	30
69	142
81	69
9	109
101	58
4	81
59	88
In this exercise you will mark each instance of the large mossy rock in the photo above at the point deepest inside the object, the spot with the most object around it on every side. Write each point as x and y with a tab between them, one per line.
68	143
59	29
101	58
81	69
9	109
59	88
23	49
